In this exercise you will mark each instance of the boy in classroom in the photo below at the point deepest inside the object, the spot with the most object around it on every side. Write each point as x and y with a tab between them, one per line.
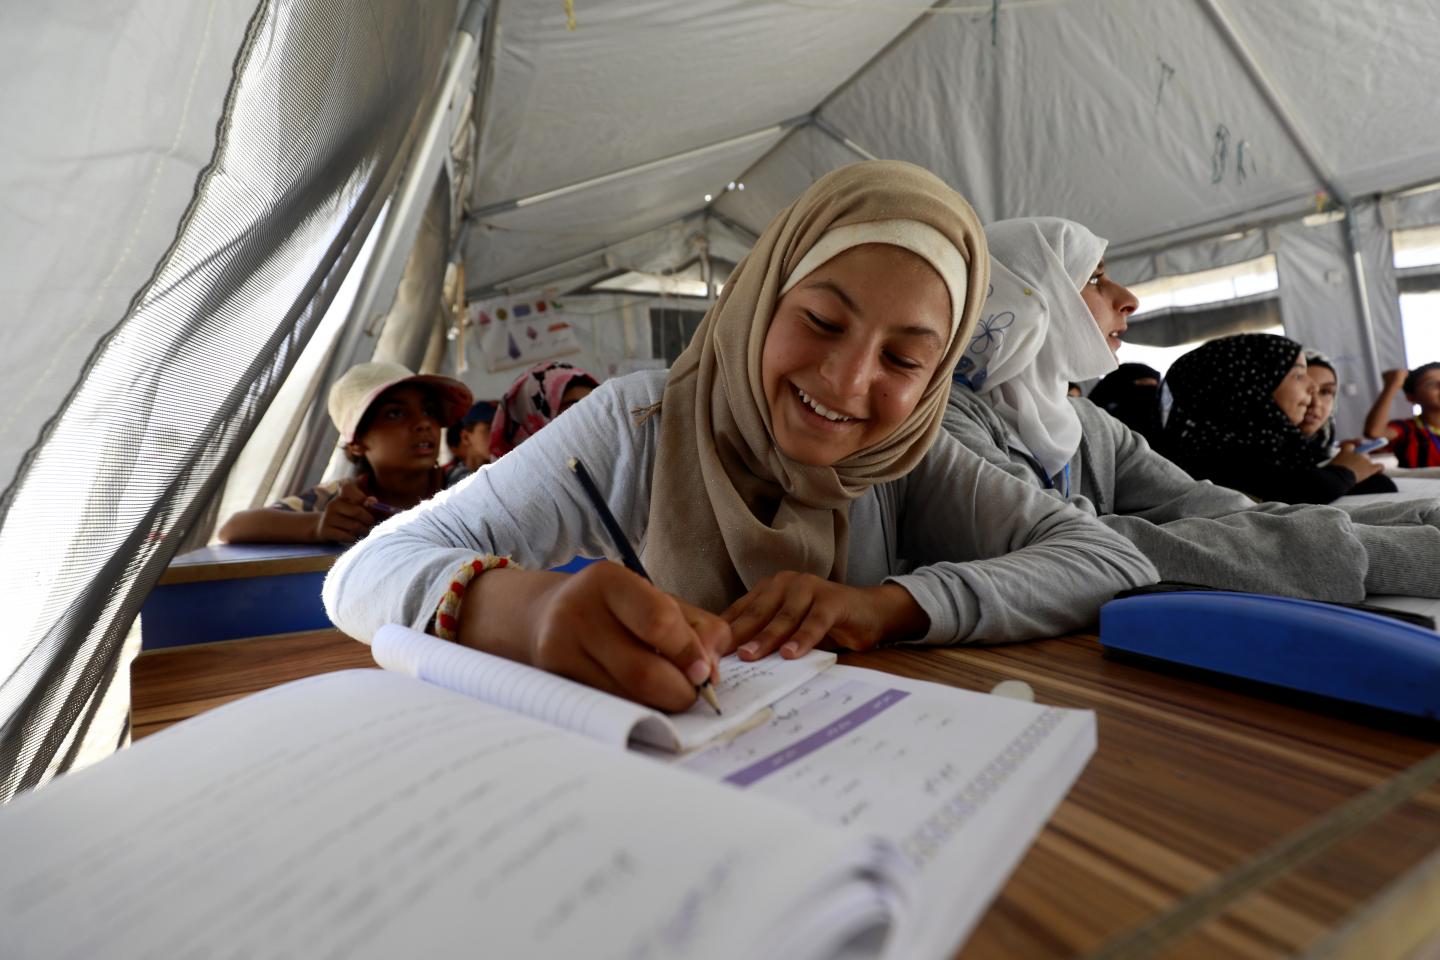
1413	440
786	482
389	421
475	429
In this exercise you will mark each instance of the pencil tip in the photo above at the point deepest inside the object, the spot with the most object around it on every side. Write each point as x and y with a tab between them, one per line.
571	463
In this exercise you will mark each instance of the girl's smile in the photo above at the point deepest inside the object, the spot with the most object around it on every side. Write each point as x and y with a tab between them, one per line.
851	350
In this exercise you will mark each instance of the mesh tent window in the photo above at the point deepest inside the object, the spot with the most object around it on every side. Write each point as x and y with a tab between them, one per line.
311	141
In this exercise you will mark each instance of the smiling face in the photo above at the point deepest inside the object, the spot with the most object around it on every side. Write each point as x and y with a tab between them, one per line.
1110	304
401	430
850	351
1323	402
1293	394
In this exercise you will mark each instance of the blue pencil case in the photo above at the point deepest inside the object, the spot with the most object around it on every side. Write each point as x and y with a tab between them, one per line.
1331	650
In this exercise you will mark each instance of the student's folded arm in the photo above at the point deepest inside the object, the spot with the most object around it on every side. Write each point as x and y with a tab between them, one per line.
981	431
1313	485
269	525
527	506
999	560
1149	486
1258	551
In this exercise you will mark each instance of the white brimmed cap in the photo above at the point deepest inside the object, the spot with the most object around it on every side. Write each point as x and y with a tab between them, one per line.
353	393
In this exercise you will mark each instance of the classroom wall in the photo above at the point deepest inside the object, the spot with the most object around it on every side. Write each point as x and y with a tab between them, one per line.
614	336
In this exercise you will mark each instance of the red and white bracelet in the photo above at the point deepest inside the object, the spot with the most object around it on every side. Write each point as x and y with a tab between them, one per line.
447	617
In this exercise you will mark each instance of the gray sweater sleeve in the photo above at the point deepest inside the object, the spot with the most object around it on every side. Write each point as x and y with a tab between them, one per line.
1197	532
527	505
1001	560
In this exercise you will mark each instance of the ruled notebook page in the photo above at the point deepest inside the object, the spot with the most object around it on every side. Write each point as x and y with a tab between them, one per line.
744	690
360	814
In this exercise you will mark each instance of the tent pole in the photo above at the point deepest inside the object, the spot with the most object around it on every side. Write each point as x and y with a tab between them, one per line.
824	127
1317	165
397	234
499	286
734	224
516	203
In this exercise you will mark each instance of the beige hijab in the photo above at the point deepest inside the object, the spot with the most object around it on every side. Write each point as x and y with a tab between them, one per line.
727	508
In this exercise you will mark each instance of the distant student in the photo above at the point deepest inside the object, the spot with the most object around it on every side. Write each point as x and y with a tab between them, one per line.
1235	419
1054	299
1414	440
469	441
540	395
475	429
1318	424
389	421
786	482
457	443
1131	394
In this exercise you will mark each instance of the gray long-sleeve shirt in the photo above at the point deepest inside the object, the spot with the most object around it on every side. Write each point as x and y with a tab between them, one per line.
1200	533
987	558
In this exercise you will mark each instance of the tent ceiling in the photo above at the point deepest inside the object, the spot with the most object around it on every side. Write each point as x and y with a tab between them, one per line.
523	240
644	79
1139	118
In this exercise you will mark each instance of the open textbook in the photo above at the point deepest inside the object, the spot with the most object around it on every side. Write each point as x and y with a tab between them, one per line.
855	814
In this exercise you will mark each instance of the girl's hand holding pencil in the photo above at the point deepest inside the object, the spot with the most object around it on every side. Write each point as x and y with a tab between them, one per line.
604	626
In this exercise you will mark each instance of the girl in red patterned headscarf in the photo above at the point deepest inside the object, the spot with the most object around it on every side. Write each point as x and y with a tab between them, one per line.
541	394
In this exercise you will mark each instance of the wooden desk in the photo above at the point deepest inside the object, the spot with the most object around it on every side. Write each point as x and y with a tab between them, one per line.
1190	783
237	590
169	685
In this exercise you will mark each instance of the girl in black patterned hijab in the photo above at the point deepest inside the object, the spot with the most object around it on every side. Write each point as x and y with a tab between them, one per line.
1238	403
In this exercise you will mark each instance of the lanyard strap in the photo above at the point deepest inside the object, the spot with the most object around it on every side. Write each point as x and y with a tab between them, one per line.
1045	478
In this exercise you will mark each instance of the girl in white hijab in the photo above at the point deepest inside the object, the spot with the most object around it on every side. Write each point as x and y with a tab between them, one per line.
786	482
1051	317
1036	335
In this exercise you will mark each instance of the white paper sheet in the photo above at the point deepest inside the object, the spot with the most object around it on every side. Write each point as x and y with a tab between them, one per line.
960	781
362	814
744	689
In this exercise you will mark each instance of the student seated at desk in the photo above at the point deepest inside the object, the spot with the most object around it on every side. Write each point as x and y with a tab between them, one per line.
1235	419
469	442
1318	424
389	421
1131	394
1414	441
540	395
786	480
1055	315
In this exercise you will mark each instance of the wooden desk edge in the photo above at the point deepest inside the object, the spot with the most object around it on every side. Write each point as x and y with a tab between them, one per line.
238	569
1402	920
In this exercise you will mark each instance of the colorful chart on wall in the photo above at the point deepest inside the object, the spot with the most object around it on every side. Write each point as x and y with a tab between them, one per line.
521	331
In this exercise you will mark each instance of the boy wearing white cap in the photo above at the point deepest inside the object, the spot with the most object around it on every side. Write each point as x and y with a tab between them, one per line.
390	421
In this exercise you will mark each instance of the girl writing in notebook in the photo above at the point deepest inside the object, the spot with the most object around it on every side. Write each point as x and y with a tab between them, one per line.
1052	314
786	480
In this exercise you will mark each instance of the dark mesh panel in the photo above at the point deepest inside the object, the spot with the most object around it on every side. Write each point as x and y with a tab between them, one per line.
320	111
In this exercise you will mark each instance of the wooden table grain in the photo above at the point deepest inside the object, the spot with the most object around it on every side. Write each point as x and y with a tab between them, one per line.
1193	786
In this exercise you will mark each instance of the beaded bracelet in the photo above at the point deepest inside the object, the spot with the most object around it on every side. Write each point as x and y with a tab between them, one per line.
447	617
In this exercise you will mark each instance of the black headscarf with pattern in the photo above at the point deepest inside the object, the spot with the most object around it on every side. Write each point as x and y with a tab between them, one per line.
1224	415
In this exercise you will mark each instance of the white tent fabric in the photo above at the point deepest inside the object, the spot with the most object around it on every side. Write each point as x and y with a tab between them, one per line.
1156	123
103	149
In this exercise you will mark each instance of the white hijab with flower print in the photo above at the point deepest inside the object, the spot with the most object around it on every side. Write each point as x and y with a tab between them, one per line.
1036	334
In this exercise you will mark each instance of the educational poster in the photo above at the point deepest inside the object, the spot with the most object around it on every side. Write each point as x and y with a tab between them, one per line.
521	331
